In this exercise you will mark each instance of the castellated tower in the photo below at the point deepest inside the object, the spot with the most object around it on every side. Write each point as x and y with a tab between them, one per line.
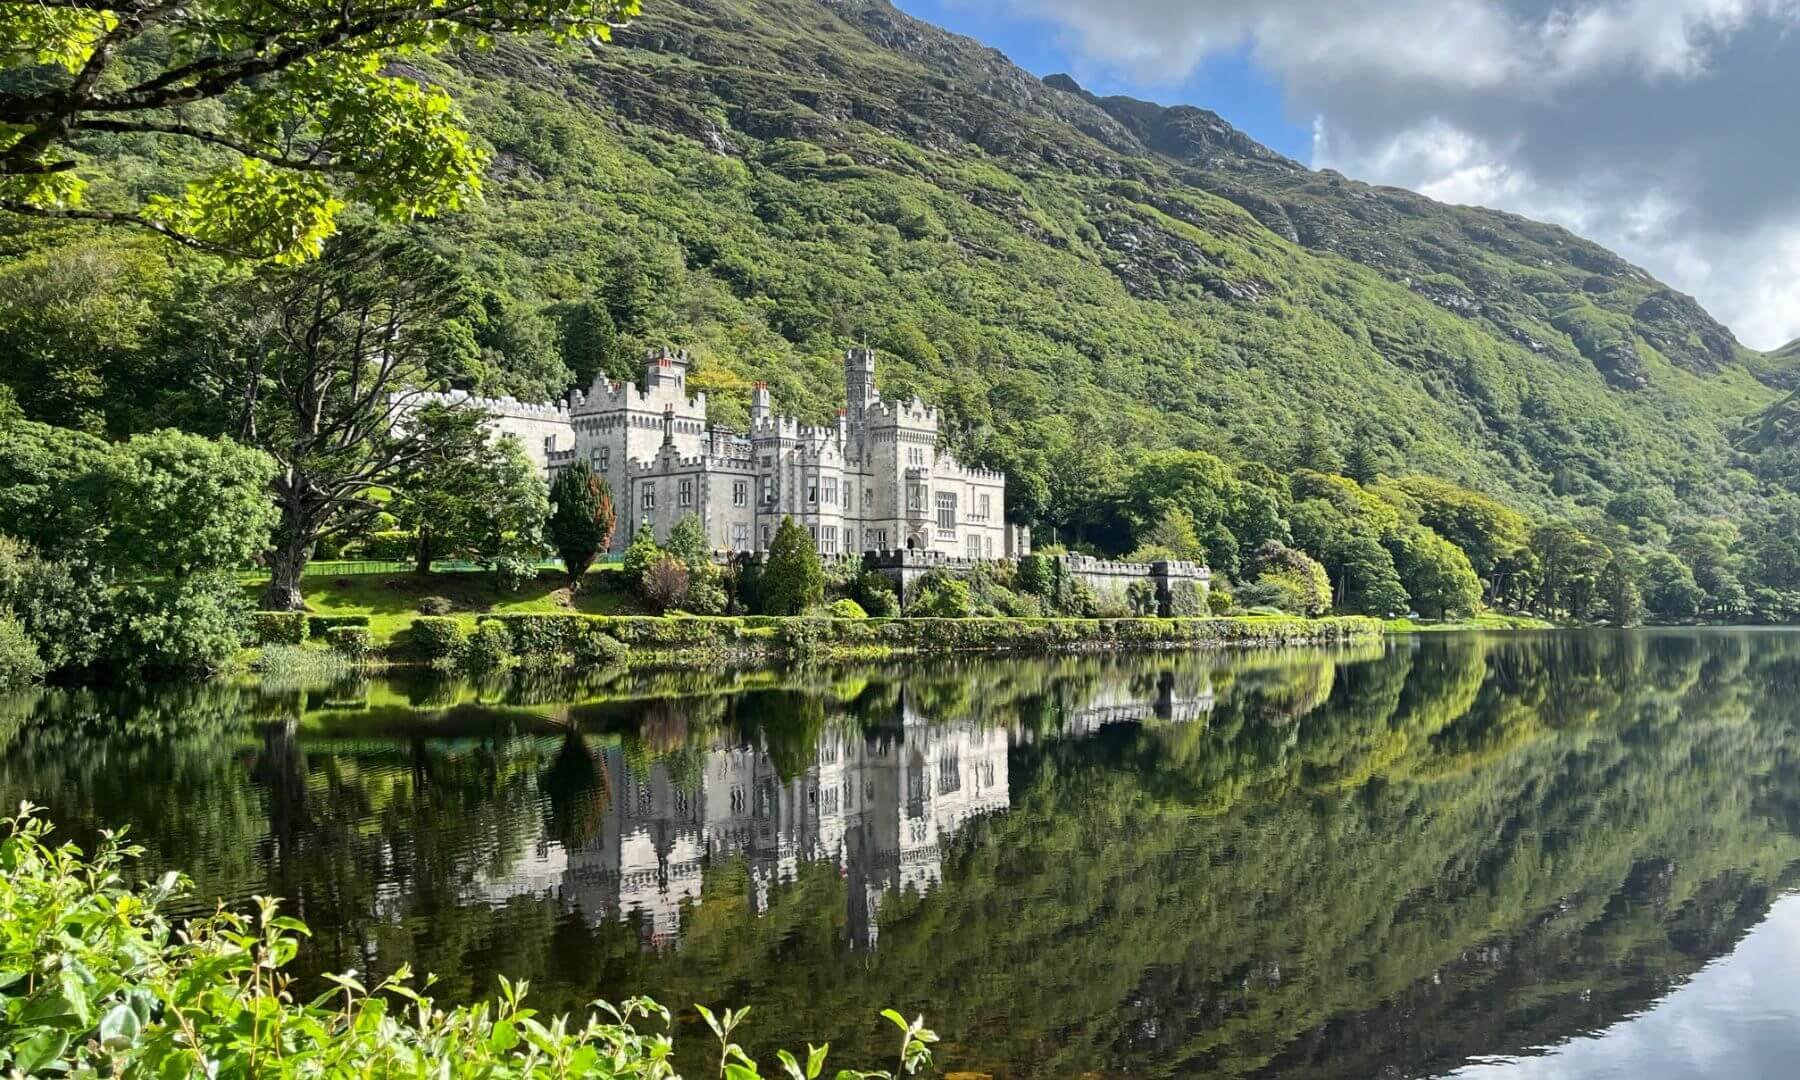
859	394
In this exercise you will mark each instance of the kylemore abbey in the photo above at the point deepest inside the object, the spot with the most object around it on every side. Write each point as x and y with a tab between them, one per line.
875	481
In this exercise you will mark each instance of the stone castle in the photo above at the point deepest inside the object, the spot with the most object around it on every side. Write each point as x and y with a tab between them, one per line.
875	481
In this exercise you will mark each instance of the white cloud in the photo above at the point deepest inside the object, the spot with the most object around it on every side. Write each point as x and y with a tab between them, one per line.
1660	128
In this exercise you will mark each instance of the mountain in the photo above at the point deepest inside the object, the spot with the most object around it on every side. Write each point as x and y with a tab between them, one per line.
1067	271
1070	277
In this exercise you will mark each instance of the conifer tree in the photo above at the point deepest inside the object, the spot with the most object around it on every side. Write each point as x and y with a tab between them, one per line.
792	579
582	518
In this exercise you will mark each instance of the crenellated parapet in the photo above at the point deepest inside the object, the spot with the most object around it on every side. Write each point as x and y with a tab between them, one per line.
499	406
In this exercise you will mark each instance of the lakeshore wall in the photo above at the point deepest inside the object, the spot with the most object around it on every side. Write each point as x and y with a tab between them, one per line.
1109	579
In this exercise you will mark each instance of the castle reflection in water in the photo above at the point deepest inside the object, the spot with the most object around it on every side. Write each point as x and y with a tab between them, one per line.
878	803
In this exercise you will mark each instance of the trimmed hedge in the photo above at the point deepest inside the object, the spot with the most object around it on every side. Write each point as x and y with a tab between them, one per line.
588	640
277	627
353	642
320	626
438	638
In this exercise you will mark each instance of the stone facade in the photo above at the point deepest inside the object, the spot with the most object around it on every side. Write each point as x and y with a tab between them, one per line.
1109	579
875	480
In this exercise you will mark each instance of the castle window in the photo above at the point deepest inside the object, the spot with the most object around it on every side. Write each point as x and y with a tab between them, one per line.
597	459
649	496
684	493
946	510
812	493
972	545
828	539
868	499
740	493
765	536
986	505
875	540
740	538
830	491
915	495
768	489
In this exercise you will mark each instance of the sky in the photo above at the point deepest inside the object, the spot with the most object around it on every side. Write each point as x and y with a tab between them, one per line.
1667	130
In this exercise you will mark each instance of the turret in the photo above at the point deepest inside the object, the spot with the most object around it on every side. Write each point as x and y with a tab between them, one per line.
666	367
761	408
859	394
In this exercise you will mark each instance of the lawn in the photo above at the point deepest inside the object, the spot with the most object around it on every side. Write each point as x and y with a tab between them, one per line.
392	600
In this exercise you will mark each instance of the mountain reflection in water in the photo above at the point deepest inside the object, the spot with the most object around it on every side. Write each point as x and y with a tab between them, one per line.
1444	853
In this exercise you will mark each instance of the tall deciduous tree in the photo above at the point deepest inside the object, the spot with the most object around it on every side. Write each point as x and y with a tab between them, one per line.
469	494
321	364
314	117
582	518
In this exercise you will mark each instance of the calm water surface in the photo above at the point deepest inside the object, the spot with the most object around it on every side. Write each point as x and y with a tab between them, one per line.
1566	855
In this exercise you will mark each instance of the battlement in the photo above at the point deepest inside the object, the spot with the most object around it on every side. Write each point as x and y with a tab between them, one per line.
501	406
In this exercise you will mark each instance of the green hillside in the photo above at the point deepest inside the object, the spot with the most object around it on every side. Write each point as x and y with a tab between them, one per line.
791	177
767	183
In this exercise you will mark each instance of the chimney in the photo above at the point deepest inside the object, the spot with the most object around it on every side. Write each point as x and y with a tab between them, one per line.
668	425
760	409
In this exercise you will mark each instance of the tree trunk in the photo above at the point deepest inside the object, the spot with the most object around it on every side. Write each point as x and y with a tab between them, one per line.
293	550
422	554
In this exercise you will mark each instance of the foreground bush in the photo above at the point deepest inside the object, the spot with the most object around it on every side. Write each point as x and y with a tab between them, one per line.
94	982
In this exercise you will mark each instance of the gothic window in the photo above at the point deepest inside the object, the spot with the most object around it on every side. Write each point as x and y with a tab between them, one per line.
946	510
915	495
684	493
768	489
812	493
868	499
596	457
649	496
765	536
740	493
740	538
986	506
972	546
949	775
828	539
830	491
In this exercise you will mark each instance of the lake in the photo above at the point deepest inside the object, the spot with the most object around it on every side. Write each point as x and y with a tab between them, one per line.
1500	858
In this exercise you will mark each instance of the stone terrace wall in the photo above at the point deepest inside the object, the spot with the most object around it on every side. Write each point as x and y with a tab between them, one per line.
1109	579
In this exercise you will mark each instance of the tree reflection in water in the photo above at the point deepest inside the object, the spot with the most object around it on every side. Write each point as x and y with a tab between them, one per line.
1284	863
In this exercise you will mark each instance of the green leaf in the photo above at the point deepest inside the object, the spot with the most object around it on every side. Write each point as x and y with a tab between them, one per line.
119	1027
815	1060
40	1050
503	1038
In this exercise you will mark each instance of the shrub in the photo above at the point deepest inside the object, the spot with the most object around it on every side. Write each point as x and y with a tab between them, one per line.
706	593
436	639
792	579
389	545
1140	597
1296	578
118	992
512	573
876	595
436	605
941	596
59	602
20	663
687	541
1219	600
490	647
640	555
320	626
665	583
353	642
1184	600
847	609
189	626
277	627
594	647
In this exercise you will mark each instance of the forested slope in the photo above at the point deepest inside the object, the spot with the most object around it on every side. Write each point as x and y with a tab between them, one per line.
1072	278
